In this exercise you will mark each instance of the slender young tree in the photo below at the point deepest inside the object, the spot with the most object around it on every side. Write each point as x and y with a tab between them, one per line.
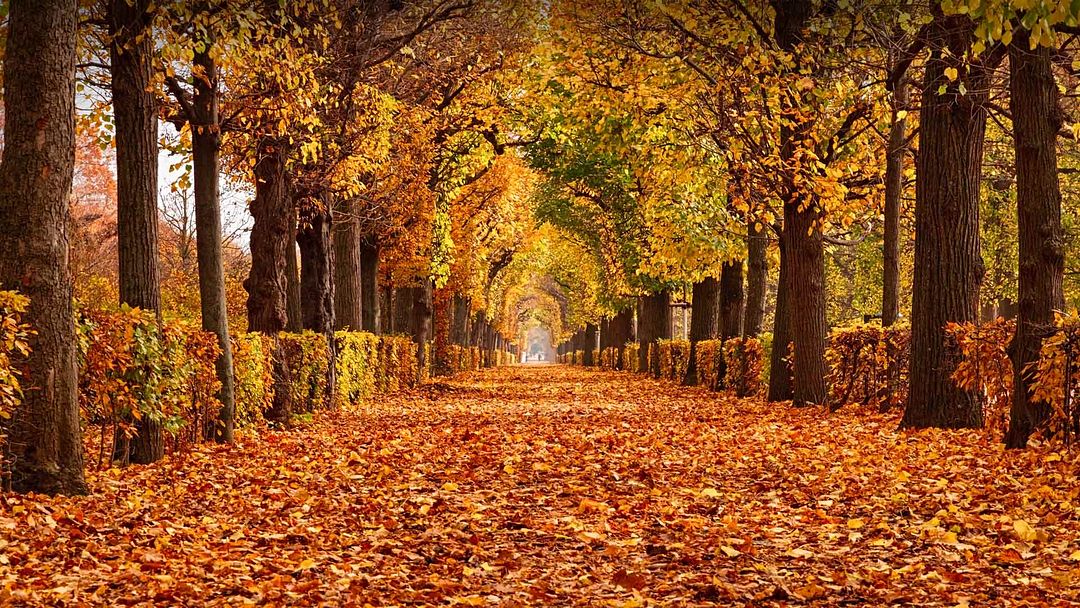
45	452
200	111
894	189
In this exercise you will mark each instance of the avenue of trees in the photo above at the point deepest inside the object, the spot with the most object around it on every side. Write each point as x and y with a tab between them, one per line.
465	171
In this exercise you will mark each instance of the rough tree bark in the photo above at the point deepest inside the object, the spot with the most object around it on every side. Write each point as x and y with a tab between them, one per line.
316	267
704	321
948	266
1037	118
273	215
348	285
44	451
894	189
369	285
731	300
402	302
731	310
206	152
757	273
592	334
131	57
442	321
780	388
131	54
654	323
459	333
622	332
605	336
317	280
802	231
414	309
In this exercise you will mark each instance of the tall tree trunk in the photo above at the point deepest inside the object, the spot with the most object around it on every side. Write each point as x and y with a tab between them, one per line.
131	54
894	189
477	330
948	266
348	285
808	327
704	321
1036	120
460	331
43	451
369	285
317	281
622	332
402	300
205	152
654	323
731	300
592	334
486	337
605	337
780	388
442	324
413	310
294	315
757	273
135	116
802	230
731	310
273	214
316	268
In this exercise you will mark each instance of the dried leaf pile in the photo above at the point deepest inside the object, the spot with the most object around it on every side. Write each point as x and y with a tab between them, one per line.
558	486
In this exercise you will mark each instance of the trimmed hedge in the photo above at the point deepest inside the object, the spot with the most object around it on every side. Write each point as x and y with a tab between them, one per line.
745	359
674	358
609	358
709	356
253	377
743	374
357	366
133	368
630	357
868	364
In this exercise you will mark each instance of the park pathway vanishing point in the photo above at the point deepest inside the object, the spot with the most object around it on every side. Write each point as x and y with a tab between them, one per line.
550	485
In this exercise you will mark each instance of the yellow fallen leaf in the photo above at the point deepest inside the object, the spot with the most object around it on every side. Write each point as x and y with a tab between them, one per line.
730	551
855	524
709	493
450	487
1024	530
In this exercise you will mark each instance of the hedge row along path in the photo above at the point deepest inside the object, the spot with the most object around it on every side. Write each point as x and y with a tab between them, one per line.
550	485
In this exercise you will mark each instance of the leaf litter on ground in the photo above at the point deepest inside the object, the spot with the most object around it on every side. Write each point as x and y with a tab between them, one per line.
551	485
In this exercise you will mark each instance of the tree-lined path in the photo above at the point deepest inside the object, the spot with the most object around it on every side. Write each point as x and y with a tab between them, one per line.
553	485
